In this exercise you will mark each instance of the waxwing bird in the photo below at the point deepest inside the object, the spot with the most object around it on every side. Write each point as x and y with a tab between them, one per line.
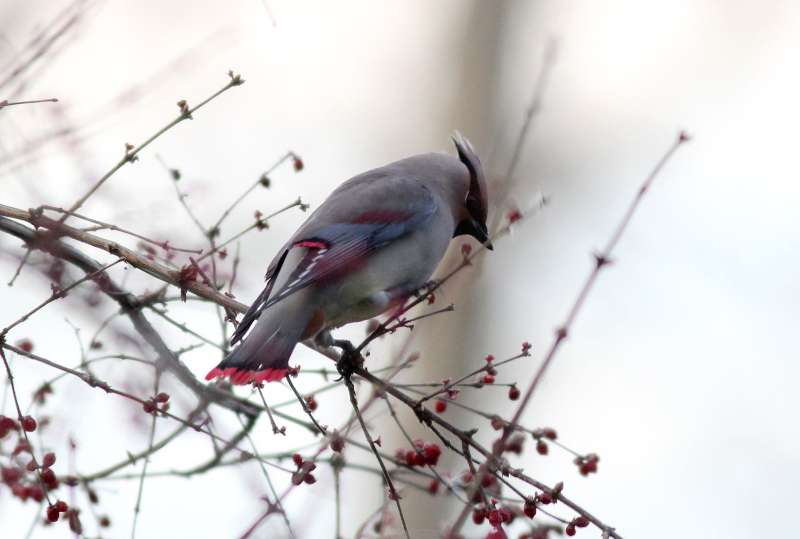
375	241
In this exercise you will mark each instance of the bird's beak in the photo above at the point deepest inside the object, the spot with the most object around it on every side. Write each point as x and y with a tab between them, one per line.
476	229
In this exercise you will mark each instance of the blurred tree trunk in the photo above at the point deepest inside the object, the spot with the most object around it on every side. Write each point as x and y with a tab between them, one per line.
446	342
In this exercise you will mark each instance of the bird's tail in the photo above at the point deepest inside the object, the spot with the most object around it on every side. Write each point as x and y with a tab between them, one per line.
263	356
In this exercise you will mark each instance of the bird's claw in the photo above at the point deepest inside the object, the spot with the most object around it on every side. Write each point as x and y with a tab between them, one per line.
349	362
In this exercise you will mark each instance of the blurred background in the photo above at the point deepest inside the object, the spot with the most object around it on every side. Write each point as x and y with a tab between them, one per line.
681	372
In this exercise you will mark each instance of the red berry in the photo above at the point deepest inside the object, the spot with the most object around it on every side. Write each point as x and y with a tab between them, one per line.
25	345
48	460
513	216
498	422
298	459
149	406
513	393
61	505
162	397
488	379
52	514
10	475
433	487
337	443
28	423
36	493
75	525
431	452
529	509
514	445
526	347
105	522
570	530
541	447
20	491
506	515
581	522
494	517
6	425
489	358
496	533
22	446
545	498
311	402
441	406
588	464
479	515
48	476
549	433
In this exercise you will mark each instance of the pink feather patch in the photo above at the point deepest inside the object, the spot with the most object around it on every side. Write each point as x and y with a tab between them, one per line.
238	377
311	244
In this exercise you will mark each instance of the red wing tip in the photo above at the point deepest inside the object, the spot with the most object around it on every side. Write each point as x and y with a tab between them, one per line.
238	377
311	244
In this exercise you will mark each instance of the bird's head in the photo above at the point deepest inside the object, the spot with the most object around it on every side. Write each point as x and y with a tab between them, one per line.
476	203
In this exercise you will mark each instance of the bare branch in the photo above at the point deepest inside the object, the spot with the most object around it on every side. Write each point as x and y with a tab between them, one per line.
131	152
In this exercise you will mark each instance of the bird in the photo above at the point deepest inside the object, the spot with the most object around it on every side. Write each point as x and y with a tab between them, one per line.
372	244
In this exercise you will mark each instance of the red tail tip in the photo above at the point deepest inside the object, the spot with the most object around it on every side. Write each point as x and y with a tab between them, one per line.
214	373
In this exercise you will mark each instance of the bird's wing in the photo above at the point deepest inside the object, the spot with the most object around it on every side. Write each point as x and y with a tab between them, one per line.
363	215
255	309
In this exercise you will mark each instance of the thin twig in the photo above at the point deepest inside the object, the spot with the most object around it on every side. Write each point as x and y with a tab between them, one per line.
183	327
22	262
21	422
175	175
258	224
278	505
131	152
534	107
101	225
94	382
6	103
601	259
394	494
322	430
215	229
56	294
150	442
275	429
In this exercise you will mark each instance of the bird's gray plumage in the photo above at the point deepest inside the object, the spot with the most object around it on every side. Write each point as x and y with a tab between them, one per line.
374	241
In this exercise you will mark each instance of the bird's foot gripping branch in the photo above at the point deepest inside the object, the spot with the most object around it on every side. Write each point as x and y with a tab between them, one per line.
350	361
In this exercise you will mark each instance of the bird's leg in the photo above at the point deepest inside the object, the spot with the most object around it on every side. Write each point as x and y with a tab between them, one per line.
324	339
350	360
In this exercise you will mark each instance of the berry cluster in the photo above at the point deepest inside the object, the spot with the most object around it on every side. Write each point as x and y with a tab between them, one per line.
423	454
587	464
159	403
